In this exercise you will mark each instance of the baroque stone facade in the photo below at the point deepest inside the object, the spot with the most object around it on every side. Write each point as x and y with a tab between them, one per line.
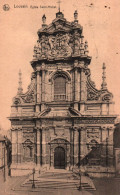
63	121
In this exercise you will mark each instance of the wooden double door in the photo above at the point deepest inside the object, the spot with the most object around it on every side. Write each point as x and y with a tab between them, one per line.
59	158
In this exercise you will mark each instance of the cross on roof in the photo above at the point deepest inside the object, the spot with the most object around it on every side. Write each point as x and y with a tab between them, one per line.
59	5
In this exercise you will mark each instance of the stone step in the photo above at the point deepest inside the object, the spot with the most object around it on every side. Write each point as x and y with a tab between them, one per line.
62	186
58	184
58	180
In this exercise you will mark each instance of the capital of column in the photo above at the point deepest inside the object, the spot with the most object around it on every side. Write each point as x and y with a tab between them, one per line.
45	128
74	128
16	129
38	68
75	63
37	128
43	67
82	128
111	128
104	128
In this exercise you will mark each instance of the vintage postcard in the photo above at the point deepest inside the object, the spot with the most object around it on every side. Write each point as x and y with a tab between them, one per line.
59	97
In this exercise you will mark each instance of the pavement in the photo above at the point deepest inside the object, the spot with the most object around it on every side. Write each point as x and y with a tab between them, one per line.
104	186
8	188
107	186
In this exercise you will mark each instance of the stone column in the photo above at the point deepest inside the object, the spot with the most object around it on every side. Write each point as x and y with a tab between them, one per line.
79	151
43	147
38	87
52	91
75	147
76	84
14	145
110	146
38	146
82	85
19	146
43	85
68	156
71	147
72	86
82	149
104	147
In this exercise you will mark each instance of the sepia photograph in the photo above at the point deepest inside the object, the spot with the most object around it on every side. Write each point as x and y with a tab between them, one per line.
60	97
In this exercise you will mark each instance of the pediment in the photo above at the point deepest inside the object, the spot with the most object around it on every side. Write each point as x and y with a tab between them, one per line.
59	24
28	142
56	112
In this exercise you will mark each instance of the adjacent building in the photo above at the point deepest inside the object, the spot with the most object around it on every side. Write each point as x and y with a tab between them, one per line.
62	121
5	157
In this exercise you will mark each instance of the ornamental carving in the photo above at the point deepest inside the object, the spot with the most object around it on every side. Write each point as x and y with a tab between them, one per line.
94	94
107	97
28	142
16	101
53	46
93	144
29	96
93	133
59	141
95	121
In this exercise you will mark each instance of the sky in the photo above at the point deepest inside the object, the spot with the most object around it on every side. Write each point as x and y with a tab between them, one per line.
18	35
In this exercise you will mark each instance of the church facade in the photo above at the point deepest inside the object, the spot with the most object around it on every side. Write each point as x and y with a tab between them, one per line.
63	121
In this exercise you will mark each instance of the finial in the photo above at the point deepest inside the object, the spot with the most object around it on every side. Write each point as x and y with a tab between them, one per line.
104	84
20	89
75	15
44	19
59	5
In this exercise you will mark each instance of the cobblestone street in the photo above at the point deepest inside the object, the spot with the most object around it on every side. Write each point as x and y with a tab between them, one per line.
104	186
7	188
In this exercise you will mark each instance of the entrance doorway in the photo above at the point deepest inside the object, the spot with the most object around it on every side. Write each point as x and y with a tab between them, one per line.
59	158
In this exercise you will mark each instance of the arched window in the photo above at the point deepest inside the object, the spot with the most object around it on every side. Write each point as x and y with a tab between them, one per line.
60	88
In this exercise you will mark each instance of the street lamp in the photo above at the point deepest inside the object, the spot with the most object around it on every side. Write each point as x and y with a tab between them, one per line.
33	184
4	164
80	186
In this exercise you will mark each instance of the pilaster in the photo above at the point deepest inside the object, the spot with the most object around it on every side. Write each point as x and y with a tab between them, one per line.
43	85
38	145
82	91
38	85
75	146
71	147
43	147
82	145
20	152
110	146
16	145
104	147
